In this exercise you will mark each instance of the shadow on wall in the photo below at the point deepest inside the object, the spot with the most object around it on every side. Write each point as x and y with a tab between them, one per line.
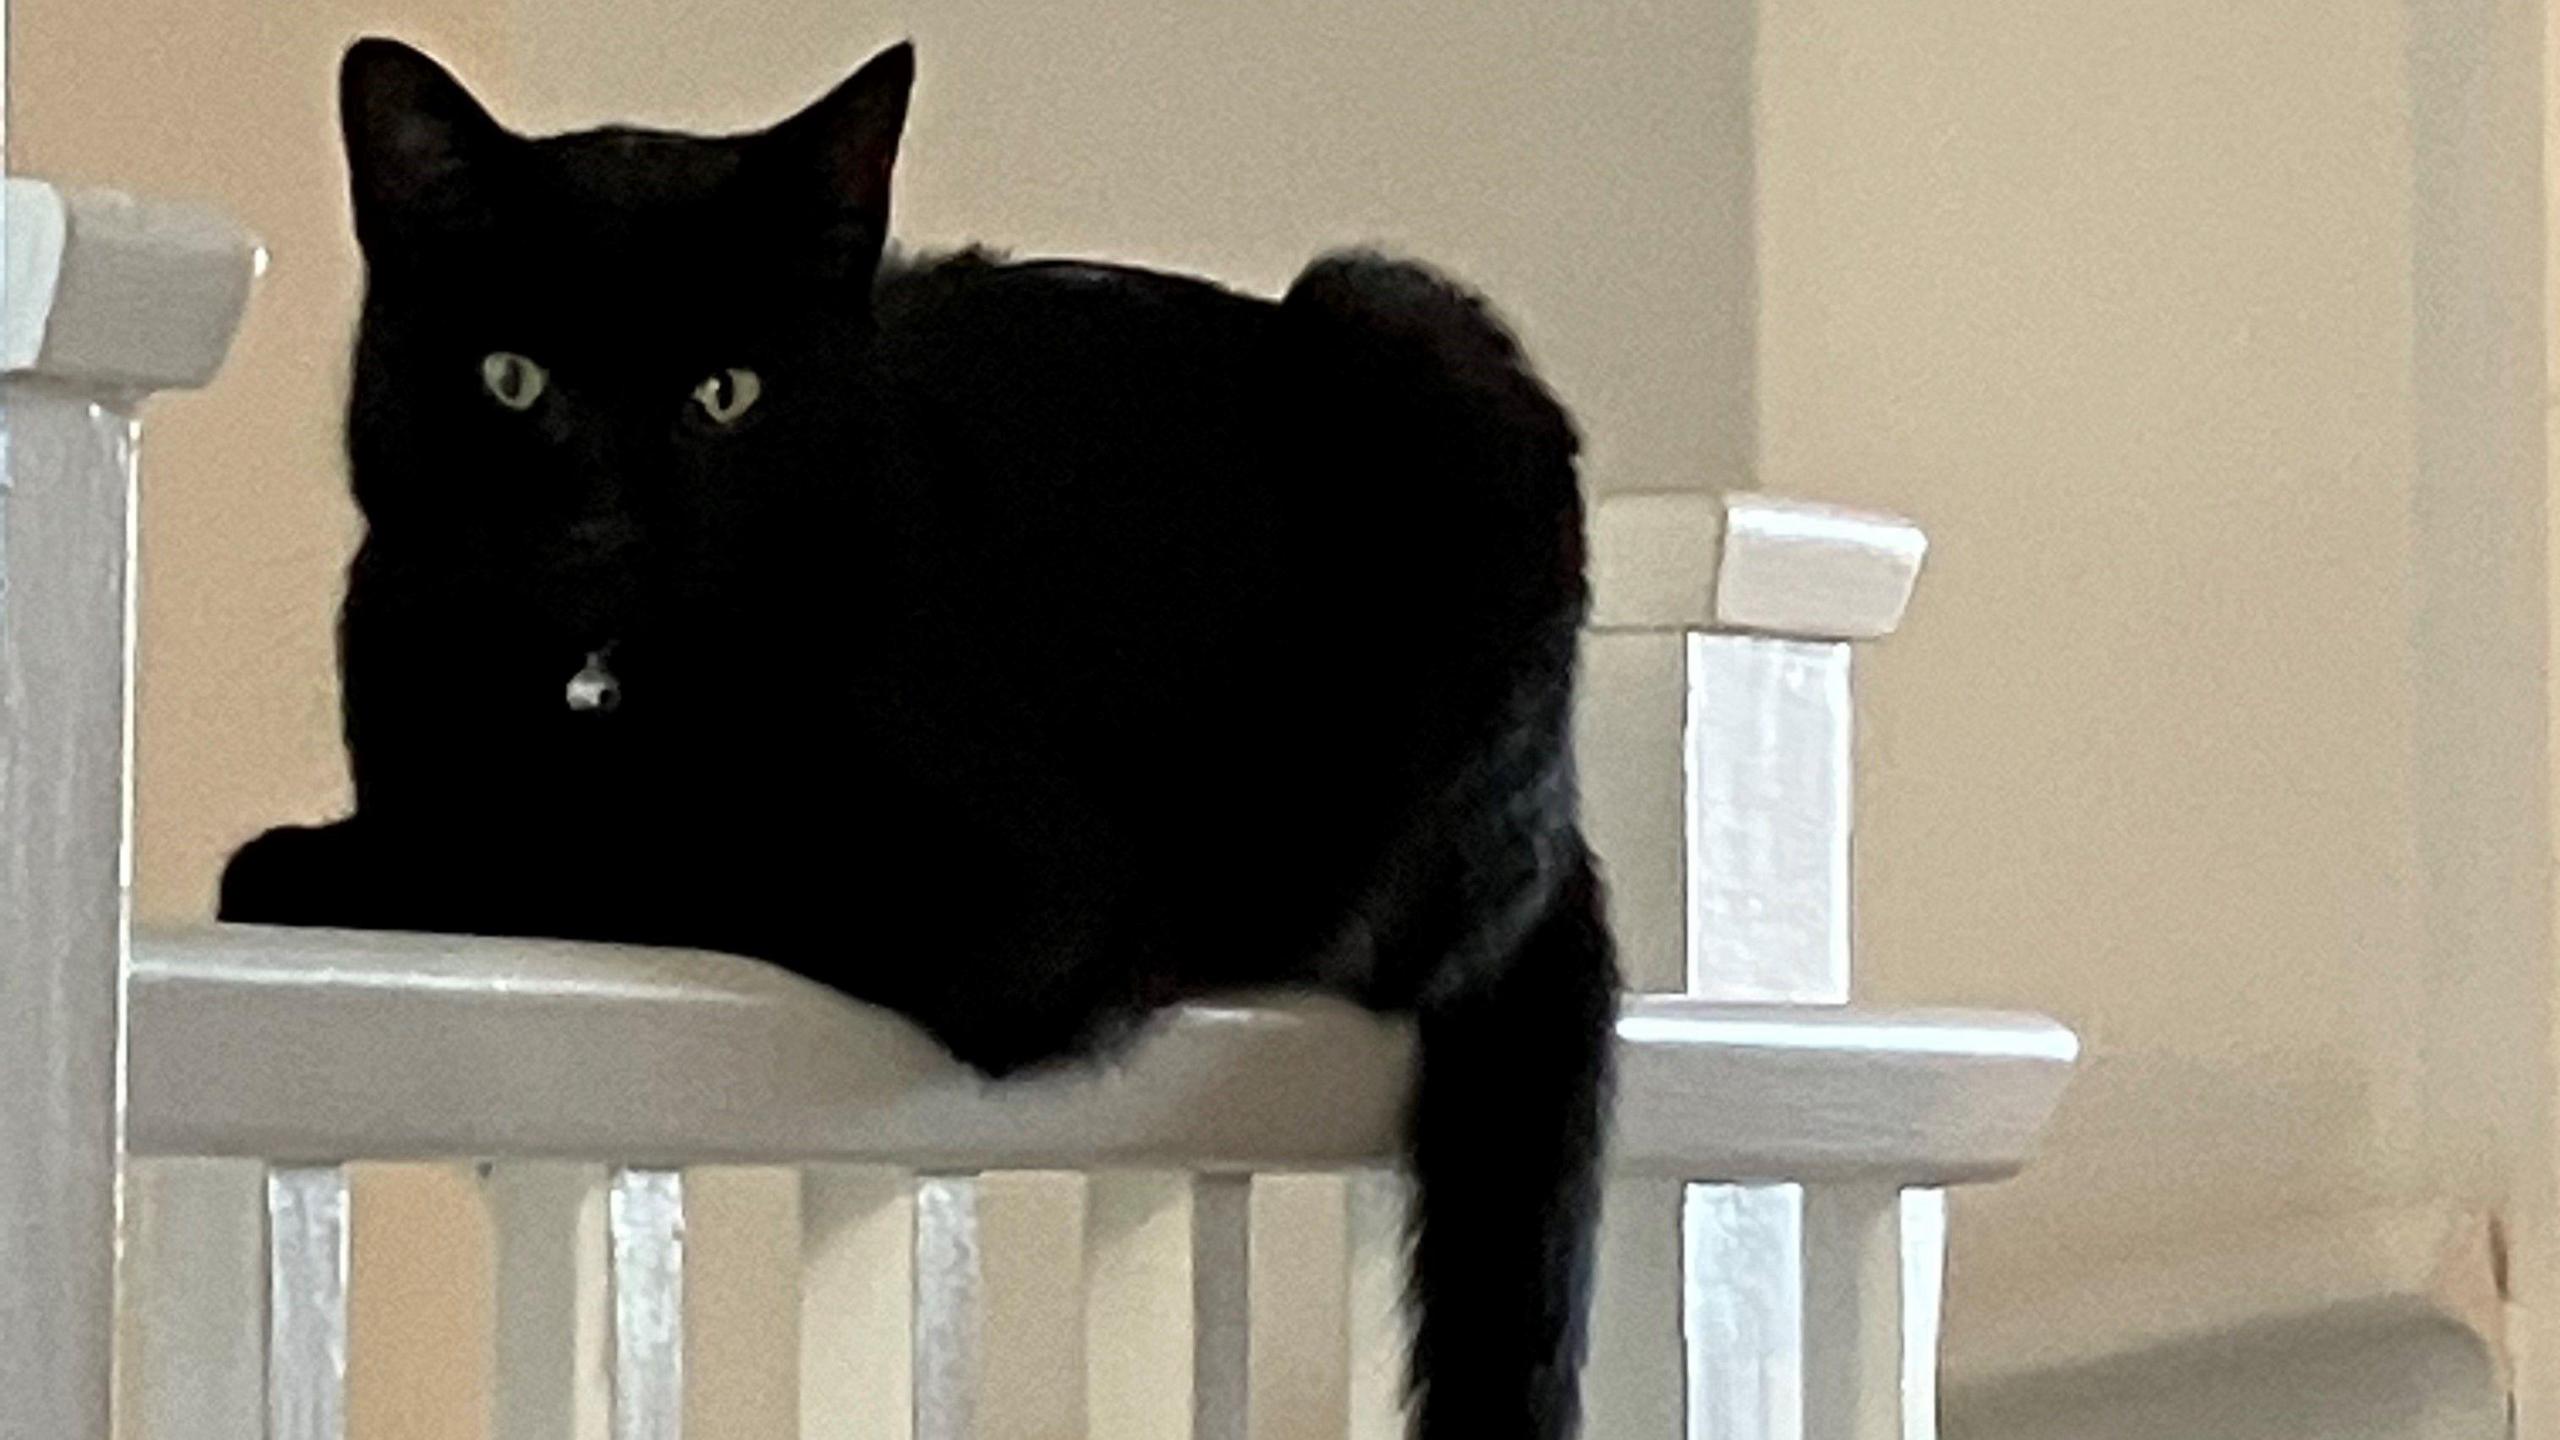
2345	1378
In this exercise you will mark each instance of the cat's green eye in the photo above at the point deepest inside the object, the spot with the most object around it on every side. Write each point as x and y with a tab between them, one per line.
513	381
725	396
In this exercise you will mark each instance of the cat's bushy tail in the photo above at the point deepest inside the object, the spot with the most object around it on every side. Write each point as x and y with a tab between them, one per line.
1442	385
1506	1138
1403	310
1487	918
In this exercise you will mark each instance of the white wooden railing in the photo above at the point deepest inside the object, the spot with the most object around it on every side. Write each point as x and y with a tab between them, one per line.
1773	1237
101	302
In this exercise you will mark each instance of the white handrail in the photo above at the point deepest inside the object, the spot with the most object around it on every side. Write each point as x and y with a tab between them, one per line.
118	295
320	1046
1737	560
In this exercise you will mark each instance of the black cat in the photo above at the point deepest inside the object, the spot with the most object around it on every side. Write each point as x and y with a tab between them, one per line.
1025	646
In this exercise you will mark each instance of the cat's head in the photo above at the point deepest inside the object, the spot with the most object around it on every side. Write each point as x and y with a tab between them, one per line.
591	366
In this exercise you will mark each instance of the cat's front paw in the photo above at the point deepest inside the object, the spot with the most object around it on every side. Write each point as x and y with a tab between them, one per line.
292	875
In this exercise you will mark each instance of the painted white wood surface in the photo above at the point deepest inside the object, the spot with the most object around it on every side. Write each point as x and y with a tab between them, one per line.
193	1328
1940	1098
64	554
1715	770
384	1046
1852	1338
306	1303
117	295
77	264
1784	1092
100	302
1924	1288
645	1219
1766	759
1792	567
1221	1306
1376	1328
1743	1310
1750	894
950	1300
1724	1091
1699	561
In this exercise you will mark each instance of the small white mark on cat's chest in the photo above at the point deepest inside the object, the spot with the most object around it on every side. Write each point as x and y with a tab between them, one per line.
594	688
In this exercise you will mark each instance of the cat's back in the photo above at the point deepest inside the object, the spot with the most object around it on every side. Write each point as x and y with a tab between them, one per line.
974	318
1369	368
977	315
1137	525
1374	441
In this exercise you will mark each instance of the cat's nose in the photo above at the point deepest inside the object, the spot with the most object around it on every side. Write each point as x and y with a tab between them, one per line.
594	690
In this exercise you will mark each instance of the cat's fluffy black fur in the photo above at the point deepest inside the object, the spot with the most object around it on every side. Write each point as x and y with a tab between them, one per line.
1046	642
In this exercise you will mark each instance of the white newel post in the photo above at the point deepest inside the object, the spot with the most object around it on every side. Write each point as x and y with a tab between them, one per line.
1721	636
101	302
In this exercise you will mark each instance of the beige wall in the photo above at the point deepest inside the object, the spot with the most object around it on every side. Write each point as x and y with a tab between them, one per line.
2168	319
2119	301
2206	340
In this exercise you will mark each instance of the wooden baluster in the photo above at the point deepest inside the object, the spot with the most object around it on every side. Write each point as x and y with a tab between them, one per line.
1853	1358
1768	828
1221	1306
105	301
1375	1321
306	1303
949	1308
1767	761
1744	1312
194	1316
63	683
645	1216
1924	1285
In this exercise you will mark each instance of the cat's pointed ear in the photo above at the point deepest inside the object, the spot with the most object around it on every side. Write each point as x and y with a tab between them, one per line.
849	136
415	140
